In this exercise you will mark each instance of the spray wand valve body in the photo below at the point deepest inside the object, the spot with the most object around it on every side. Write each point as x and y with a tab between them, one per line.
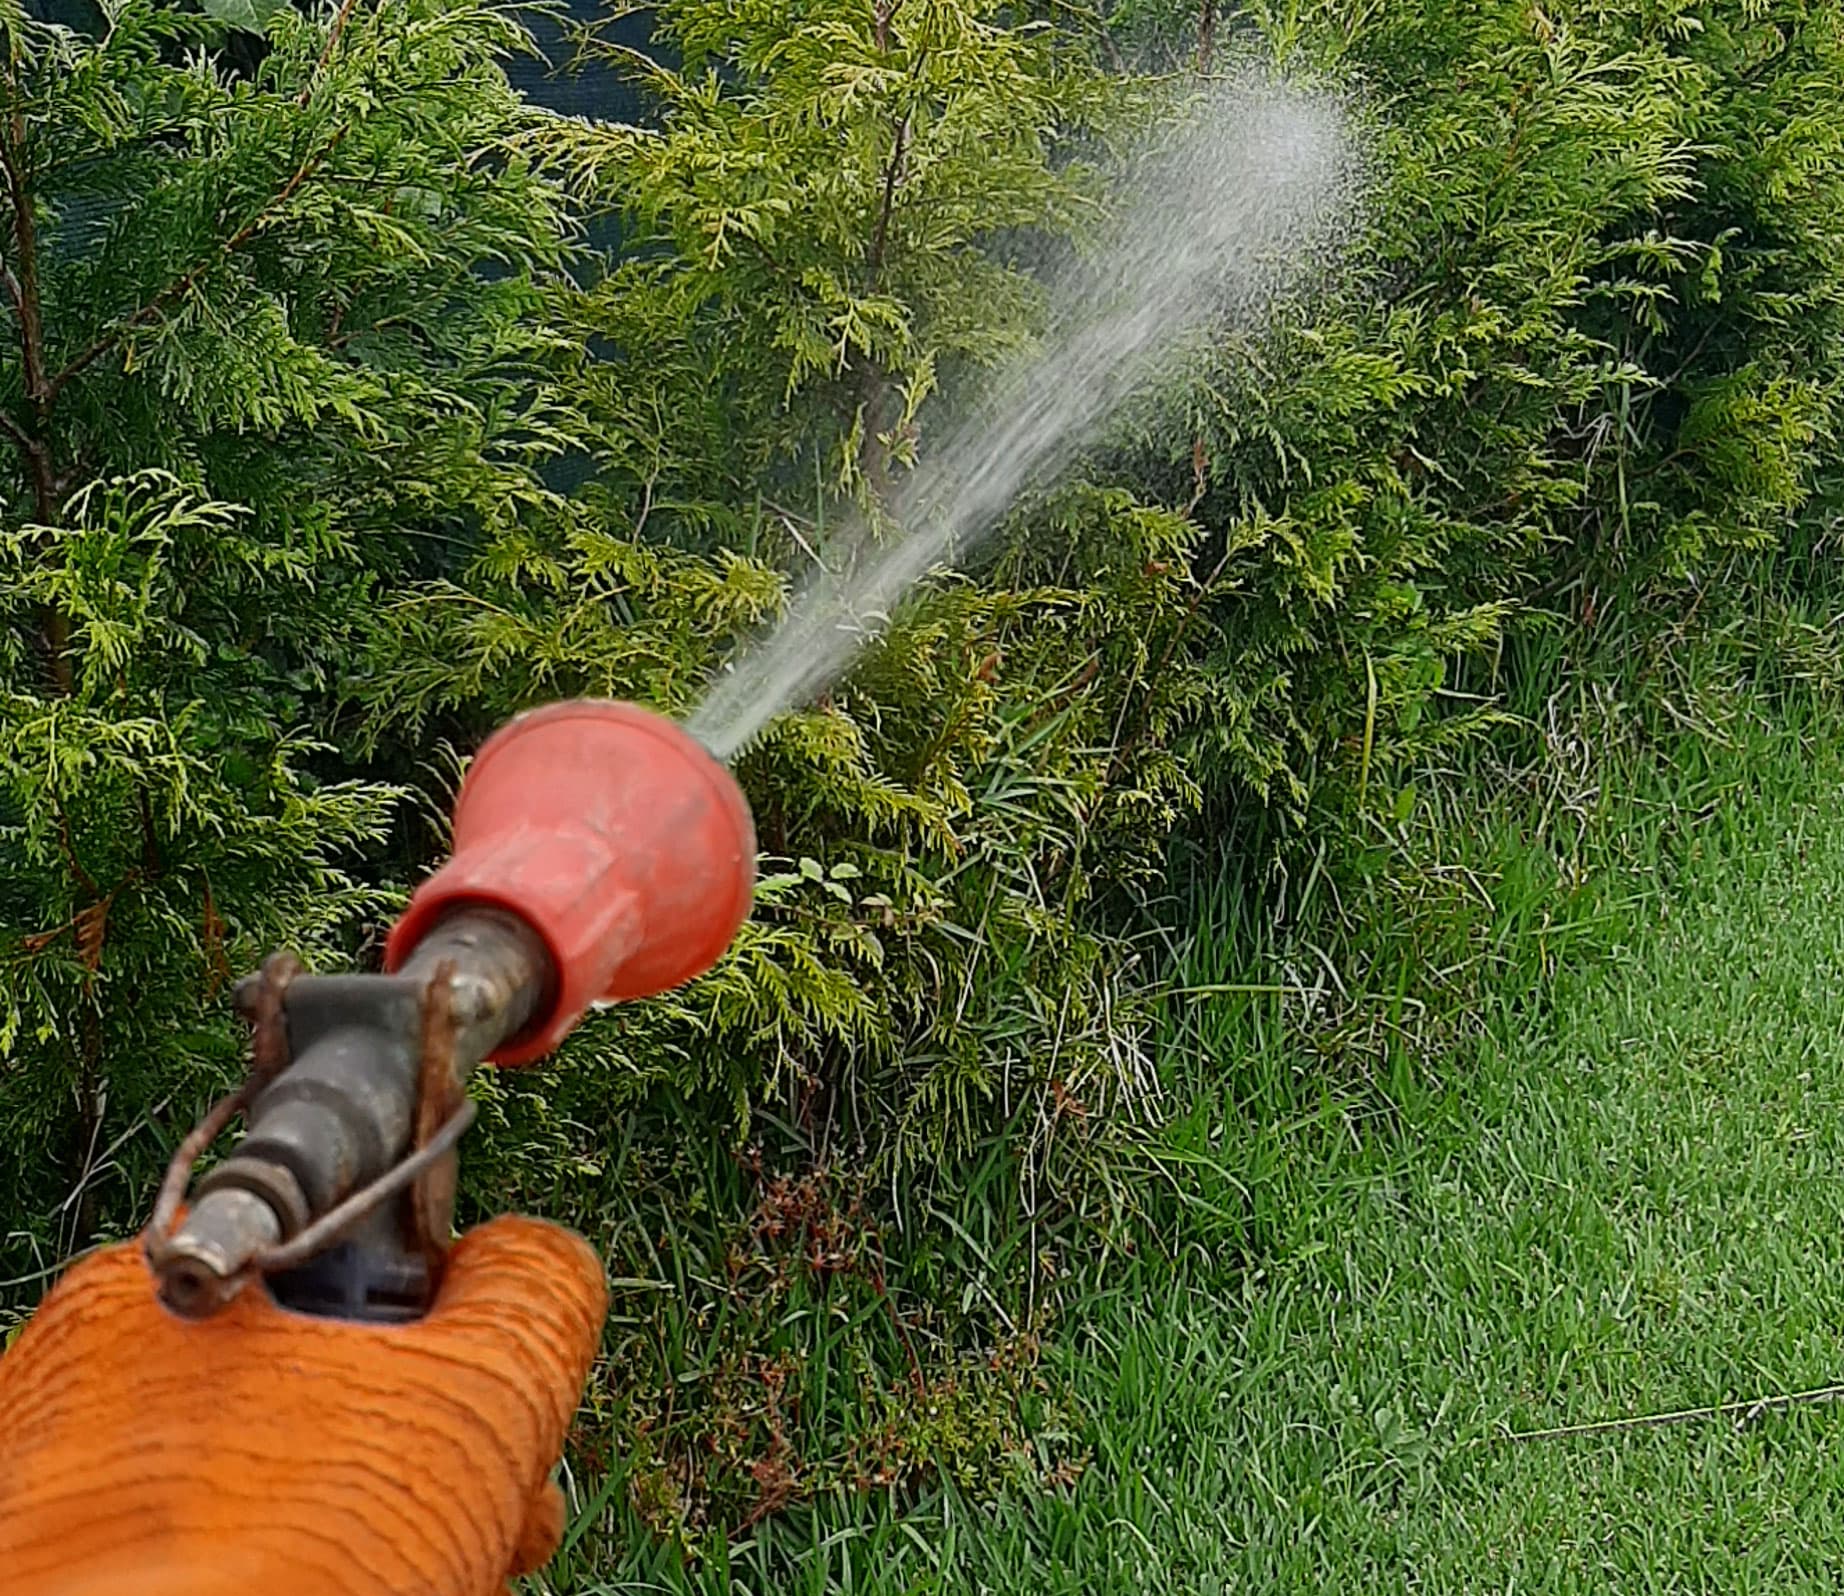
599	854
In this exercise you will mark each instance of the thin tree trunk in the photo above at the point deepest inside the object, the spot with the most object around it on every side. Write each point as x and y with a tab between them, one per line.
22	286
32	435
873	387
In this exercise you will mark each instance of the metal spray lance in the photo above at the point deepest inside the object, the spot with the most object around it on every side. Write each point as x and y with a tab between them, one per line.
600	854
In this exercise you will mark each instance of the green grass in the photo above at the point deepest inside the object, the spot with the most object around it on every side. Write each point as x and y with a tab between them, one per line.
1635	1211
1360	1279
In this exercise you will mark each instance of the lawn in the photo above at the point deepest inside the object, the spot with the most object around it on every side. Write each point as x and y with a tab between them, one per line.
1621	1204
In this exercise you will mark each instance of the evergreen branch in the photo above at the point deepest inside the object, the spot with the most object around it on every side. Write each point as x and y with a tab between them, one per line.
24	286
880	236
151	862
340	19
188	280
339	337
883	17
82	876
873	384
1126	747
1097	25
665	82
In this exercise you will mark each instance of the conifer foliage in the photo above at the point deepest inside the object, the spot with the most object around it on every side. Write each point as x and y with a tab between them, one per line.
297	315
825	221
255	372
1284	595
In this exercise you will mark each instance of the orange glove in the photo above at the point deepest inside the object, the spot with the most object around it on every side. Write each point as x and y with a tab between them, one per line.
268	1452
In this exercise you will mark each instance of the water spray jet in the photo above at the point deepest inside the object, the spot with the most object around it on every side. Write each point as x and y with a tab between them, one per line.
1233	208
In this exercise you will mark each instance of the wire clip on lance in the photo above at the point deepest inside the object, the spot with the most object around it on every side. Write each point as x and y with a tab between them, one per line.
342	1067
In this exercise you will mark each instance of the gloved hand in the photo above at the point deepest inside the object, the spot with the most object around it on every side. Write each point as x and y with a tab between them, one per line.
267	1452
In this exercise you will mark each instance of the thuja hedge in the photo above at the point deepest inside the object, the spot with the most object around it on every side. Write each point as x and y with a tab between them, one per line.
302	328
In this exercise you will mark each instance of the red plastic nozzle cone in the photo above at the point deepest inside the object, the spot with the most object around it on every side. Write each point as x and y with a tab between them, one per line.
613	834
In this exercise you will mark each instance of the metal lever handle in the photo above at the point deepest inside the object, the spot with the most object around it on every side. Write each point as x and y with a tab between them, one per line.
333	1120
